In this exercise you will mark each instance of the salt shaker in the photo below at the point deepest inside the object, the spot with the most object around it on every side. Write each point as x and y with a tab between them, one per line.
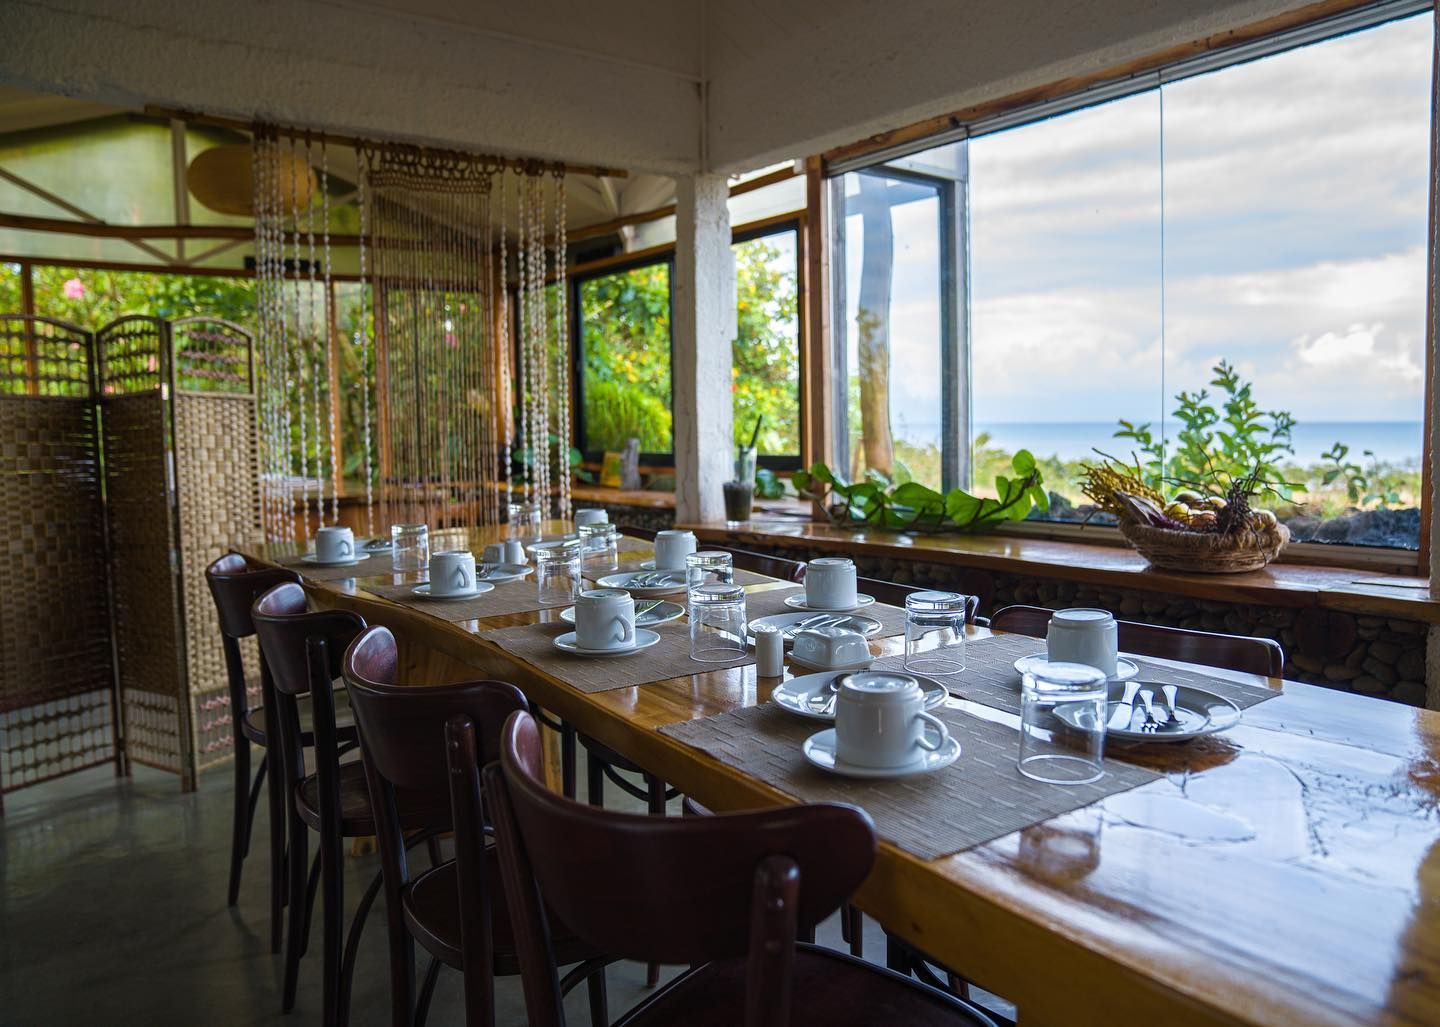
769	651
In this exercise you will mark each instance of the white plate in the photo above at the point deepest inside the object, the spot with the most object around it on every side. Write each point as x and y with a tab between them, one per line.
819	749
1124	669
782	621
794	695
1200	713
662	613
504	572
623	579
797	602
377	545
807	665
312	558
649	565
643	640
423	592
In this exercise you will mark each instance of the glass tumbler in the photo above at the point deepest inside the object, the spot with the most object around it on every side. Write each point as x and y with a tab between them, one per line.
599	549
935	633
1063	710
709	567
409	547
523	520
558	574
717	623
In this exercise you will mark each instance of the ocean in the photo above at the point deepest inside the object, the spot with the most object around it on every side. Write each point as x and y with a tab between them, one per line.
1396	442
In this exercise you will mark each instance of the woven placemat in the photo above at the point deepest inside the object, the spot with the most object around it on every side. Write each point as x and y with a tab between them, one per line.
772	601
511	597
374	563
990	677
742	577
669	658
978	798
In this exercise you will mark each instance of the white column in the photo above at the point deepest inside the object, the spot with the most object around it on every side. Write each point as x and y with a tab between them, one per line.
704	329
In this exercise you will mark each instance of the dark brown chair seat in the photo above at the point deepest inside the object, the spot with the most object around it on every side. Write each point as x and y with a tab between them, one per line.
356	819
255	728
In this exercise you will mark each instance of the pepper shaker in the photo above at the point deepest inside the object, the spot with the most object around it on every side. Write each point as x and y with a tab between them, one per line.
769	651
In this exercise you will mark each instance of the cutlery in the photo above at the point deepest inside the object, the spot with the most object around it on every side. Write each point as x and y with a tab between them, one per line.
1125	710
823	701
1170	692
1151	724
645	608
485	570
819	620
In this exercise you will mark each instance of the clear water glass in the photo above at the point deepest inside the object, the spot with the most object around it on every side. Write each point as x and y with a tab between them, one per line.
523	520
709	567
558	574
599	549
717	623
935	633
409	547
1063	709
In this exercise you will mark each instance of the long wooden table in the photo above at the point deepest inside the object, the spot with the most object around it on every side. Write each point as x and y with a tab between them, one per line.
1287	872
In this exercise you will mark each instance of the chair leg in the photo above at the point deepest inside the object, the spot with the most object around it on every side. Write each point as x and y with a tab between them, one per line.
432	846
854	922
427	992
332	885
352	945
595	783
299	913
240	822
568	747
656	788
599	1001
278	822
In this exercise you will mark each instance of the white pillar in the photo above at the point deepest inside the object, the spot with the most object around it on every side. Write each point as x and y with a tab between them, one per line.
704	326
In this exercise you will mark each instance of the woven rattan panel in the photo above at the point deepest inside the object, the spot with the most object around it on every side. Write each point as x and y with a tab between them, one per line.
147	606
217	475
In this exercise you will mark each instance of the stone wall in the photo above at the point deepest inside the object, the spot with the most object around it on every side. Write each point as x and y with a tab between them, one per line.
1372	656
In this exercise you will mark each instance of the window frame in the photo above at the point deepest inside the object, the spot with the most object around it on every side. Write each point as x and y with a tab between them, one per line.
759	230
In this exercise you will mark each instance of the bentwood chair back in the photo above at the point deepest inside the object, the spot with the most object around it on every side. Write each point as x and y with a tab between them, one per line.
727	892
763	563
235	585
1229	652
455	910
303	650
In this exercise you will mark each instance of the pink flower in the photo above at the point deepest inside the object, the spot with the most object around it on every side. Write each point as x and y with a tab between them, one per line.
74	289
451	341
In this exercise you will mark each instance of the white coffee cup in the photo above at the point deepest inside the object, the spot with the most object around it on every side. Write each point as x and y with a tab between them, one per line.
452	572
830	583
880	721
334	544
605	619
493	553
671	548
591	515
1083	636
515	552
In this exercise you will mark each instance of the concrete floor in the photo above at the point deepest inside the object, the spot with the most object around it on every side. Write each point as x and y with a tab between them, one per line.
113	911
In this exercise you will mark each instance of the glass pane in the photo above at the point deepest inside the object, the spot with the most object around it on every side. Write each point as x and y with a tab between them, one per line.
92	298
1065	290
1296	201
892	327
625	352
11	299
767	343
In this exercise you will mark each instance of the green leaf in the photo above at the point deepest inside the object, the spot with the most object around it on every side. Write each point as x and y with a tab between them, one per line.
822	474
1023	462
960	506
915	495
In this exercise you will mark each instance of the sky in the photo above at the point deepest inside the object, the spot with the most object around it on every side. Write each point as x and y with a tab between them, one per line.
1271	213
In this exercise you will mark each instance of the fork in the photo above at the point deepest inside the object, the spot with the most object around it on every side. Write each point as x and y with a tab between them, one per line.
641	611
1151	725
831	691
819	620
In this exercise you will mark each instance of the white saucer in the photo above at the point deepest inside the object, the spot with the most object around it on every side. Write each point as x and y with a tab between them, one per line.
623	579
797	602
312	558
782	621
807	665
794	695
423	592
649	565
819	749
643	640
504	572
659	615
1124	669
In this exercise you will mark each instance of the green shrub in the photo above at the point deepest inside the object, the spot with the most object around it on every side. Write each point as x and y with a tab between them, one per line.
616	412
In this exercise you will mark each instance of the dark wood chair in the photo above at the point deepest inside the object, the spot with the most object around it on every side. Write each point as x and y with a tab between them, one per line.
1211	649
726	894
976	584
455	910
303	651
235	586
763	563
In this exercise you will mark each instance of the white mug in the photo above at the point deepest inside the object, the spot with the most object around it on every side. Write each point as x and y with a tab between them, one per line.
830	583
452	572
671	548
1083	636
880	721
494	553
334	544
591	515
605	619
515	552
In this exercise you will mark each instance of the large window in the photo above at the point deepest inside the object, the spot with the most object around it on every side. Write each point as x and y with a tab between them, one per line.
767	344
1237	242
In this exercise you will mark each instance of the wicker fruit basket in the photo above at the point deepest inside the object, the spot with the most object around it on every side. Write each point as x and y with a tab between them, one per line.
1206	553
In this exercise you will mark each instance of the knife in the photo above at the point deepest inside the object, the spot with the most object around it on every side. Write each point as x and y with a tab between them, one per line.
1120	716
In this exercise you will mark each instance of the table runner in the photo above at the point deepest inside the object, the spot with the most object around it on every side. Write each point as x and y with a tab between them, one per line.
669	658
990	677
977	799
510	597
772	601
374	563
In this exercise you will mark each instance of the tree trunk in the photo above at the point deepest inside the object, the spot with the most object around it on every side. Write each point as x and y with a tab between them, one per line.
872	324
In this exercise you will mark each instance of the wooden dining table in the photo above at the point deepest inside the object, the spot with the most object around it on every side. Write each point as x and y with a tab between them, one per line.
1284	872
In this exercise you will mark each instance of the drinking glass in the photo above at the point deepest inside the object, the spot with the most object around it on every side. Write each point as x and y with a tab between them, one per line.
524	520
1062	723
709	567
935	633
598	548
717	623
558	574
409	547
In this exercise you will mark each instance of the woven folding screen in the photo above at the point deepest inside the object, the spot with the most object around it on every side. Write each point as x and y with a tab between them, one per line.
57	693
